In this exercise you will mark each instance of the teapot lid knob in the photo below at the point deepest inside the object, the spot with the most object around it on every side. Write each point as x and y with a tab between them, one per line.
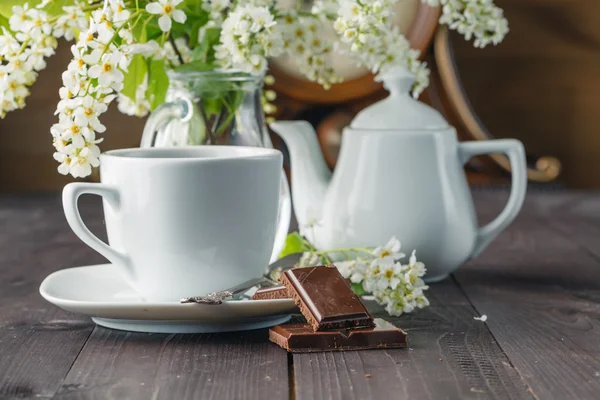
397	80
398	111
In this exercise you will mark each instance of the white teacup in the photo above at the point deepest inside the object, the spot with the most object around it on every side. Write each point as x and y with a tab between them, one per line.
184	221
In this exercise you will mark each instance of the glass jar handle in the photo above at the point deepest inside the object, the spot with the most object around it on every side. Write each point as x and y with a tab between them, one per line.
180	109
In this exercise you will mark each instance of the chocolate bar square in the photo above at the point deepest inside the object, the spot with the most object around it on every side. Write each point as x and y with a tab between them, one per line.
300	338
325	298
271	293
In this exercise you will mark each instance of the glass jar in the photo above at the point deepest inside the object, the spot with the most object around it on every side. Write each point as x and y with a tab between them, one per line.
216	108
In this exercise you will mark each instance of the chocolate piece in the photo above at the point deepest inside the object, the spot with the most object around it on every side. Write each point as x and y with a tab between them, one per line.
271	293
325	298
300	338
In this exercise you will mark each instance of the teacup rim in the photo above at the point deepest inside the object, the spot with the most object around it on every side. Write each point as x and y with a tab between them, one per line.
252	153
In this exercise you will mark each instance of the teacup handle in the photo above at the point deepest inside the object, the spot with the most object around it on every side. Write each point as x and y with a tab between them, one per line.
70	196
516	154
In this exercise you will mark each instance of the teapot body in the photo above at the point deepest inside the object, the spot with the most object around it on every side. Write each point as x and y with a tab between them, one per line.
408	184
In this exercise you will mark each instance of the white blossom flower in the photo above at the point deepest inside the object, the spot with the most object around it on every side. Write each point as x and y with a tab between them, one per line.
65	162
67	24
308	260
81	165
479	19
107	71
246	39
78	64
167	11
216	9
140	106
355	270
88	111
120	14
414	272
36	24
19	18
391	251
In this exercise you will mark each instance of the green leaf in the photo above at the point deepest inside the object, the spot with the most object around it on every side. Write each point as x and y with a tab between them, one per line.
194	66
205	50
358	289
4	22
53	9
194	8
294	243
158	83
138	68
6	6
56	7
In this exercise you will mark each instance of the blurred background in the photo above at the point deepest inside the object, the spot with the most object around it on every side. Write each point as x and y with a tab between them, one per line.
541	85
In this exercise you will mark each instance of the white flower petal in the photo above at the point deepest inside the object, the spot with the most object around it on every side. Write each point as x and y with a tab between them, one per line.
95	71
165	23
154	8
179	16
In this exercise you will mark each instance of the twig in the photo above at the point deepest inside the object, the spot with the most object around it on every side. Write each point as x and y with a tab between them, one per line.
176	49
209	132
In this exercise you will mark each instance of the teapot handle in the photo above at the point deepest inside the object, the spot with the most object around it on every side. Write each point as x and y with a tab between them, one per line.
516	154
180	109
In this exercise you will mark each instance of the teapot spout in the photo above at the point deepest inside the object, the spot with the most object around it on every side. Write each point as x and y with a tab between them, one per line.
310	174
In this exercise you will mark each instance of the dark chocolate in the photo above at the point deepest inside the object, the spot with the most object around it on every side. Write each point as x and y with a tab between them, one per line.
271	293
325	298
300	338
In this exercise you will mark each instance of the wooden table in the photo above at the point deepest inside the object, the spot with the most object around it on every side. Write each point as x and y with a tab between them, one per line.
538	283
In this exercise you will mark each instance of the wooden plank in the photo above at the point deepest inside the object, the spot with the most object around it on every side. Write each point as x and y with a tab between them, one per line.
541	294
451	356
232	365
38	342
124	365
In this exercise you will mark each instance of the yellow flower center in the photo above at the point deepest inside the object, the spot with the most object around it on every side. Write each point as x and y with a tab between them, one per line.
168	9
90	37
107	67
316	42
385	253
38	22
68	160
120	8
389	274
81	63
89	112
299	33
75	129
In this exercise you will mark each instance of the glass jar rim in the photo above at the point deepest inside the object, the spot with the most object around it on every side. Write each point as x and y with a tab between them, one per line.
226	75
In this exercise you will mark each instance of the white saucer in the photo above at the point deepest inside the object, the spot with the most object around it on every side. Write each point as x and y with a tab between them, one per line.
100	292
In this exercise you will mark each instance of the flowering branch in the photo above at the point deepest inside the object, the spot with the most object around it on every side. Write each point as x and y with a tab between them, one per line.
479	19
125	47
379	272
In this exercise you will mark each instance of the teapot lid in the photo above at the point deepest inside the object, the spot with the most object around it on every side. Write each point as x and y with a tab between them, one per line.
398	111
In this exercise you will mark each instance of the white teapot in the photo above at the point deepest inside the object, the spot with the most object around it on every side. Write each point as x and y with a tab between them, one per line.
399	173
